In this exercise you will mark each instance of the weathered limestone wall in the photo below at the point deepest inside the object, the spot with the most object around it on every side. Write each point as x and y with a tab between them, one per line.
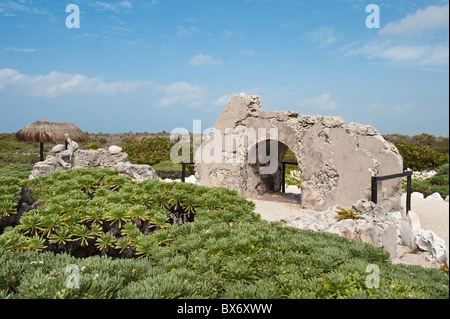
100	159
336	160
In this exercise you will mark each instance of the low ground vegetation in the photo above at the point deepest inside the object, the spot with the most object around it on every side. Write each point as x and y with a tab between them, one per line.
94	234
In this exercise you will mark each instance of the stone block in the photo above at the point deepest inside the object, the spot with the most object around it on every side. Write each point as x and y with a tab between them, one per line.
410	229
100	159
114	149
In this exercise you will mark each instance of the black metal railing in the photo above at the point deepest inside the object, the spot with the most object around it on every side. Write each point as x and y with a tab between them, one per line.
183	170
376	179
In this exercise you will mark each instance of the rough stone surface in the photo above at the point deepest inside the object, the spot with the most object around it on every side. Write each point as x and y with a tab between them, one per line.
416	238
434	246
373	226
115	149
139	173
336	160
95	159
417	195
397	219
435	196
410	229
58	148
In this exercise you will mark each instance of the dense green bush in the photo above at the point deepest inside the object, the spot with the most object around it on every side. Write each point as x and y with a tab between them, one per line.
90	212
437	143
147	150
13	164
10	189
420	158
171	170
227	252
421	152
8	143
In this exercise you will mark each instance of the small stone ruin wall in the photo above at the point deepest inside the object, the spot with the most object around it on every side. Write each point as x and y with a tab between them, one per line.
336	160
99	159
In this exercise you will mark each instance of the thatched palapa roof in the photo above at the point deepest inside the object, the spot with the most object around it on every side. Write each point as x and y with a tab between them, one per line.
50	132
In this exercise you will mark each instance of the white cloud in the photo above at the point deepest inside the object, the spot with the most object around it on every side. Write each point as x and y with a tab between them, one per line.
388	108
322	103
57	84
115	7
180	93
183	32
432	17
204	60
223	100
12	8
403	43
405	54
325	36
227	34
248	52
14	49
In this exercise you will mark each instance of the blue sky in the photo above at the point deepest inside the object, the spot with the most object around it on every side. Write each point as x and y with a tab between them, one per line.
153	65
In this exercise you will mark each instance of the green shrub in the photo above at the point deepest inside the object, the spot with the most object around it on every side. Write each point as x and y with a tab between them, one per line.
147	150
8	143
437	143
167	166
171	170
227	252
95	208
289	156
292	177
421	152
93	145
21	171
439	183
12	158
420	158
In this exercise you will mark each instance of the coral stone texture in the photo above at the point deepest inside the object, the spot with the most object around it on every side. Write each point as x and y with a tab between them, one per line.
100	159
336	160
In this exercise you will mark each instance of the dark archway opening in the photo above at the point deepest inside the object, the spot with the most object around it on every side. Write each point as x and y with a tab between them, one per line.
266	171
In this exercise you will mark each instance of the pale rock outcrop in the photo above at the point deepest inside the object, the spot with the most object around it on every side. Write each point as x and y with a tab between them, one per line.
435	196
114	150
416	238
100	159
373	225
434	246
410	228
58	148
139	173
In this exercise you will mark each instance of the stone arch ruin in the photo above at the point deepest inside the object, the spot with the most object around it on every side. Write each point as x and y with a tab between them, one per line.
336	160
